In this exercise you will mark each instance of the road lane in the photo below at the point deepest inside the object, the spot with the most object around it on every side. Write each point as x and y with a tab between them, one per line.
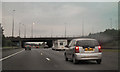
47	59
109	62
10	51
10	55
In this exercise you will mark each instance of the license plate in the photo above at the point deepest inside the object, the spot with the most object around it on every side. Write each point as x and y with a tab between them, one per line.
88	49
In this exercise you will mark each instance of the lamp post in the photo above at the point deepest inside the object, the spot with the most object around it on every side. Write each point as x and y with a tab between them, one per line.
51	32
24	30
13	24
32	29
65	29
13	27
83	27
19	35
111	23
19	29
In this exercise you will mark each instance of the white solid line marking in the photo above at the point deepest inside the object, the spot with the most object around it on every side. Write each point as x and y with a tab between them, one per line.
48	59
11	55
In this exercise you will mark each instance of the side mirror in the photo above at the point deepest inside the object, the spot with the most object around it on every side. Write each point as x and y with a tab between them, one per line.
67	46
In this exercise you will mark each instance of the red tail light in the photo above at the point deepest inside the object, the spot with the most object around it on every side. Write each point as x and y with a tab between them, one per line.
76	49
99	48
25	46
29	46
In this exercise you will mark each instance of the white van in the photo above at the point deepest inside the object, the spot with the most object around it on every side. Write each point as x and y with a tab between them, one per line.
59	44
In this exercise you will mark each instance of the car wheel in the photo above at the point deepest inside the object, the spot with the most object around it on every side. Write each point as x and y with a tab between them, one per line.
74	60
25	49
98	61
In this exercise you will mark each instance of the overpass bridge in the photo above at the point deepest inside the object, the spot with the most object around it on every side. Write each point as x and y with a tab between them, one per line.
49	40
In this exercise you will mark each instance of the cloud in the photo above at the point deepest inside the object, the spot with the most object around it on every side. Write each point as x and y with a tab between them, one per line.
55	15
0	12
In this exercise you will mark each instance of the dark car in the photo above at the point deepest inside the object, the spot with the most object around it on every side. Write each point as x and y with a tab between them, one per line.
27	47
37	46
46	46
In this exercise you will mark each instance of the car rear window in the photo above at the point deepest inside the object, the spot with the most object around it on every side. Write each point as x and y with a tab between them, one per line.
87	43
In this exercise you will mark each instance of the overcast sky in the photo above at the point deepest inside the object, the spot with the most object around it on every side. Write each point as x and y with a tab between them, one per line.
52	17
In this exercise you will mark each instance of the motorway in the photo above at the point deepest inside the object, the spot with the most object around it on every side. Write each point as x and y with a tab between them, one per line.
48	59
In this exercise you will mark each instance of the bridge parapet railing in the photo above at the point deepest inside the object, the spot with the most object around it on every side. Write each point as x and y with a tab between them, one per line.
60	36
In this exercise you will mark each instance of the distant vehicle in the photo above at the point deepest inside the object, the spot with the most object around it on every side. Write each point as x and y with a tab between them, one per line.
33	46
83	49
59	44
46	46
37	46
27	47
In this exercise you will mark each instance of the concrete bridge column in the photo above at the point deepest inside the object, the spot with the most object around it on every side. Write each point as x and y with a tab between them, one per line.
53	42
20	44
49	43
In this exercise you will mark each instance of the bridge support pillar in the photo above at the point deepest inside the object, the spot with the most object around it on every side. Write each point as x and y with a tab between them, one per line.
49	43
53	43
20	44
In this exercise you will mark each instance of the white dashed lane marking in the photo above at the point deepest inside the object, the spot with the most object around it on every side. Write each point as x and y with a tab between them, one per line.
48	59
41	53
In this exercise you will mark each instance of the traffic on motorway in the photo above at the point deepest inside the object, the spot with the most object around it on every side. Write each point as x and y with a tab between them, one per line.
59	35
79	54
77	50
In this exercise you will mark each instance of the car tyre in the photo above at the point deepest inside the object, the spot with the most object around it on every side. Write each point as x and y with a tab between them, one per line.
98	61
25	49
74	60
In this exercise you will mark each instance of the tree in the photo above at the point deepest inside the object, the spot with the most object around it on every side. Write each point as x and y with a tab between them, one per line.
5	41
3	37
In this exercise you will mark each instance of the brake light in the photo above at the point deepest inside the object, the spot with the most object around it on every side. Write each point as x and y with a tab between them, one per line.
99	48
25	46
76	49
29	46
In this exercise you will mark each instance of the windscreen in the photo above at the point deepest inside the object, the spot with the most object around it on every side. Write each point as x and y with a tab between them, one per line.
87	43
61	43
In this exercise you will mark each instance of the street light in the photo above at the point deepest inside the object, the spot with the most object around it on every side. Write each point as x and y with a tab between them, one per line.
51	32
32	29
83	26
19	29
111	23
13	24
24	30
65	29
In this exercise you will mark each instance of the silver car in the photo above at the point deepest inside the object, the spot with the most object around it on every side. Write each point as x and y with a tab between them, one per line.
83	49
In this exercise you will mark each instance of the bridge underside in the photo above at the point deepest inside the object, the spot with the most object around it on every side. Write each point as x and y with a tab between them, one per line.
48	40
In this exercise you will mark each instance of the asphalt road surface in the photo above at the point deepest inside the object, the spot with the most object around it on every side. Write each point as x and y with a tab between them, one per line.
48	59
